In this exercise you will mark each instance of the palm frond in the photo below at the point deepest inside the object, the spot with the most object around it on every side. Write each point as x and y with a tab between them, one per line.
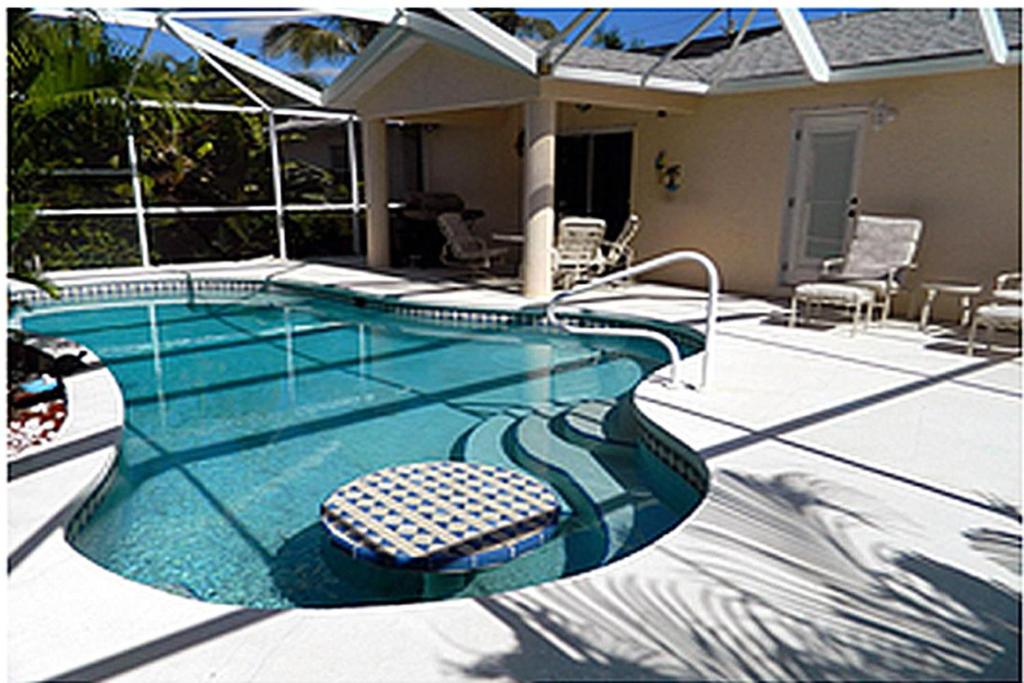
307	41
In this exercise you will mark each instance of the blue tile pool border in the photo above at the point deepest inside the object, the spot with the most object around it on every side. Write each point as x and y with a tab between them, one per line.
656	440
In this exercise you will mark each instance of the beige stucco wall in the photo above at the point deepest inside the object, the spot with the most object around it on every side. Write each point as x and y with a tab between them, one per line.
473	154
438	79
951	157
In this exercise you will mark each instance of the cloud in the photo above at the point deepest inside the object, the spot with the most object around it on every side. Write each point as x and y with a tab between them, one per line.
247	29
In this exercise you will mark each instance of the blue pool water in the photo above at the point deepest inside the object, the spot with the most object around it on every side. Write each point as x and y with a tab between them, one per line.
242	416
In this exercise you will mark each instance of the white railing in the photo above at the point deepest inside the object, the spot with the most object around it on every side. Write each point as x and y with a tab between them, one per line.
664	340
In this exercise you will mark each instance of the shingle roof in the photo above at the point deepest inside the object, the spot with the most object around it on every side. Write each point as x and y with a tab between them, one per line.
854	40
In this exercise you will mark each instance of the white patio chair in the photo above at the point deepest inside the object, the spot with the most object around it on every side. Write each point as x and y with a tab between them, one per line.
577	251
462	247
1008	288
881	251
619	252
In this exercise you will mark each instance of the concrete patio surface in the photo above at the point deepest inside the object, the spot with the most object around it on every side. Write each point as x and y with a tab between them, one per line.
863	521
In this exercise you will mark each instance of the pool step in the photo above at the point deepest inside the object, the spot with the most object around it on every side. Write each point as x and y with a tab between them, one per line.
602	424
599	500
483	444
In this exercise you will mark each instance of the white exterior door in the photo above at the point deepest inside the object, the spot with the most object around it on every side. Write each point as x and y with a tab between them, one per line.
822	200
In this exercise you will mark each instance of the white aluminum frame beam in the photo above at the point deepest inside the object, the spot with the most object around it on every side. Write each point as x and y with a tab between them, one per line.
490	35
557	40
206	48
581	36
275	175
470	43
584	75
235	58
321	114
727	61
174	29
805	43
200	210
353	166
139	209
197	41
246	14
681	45
993	36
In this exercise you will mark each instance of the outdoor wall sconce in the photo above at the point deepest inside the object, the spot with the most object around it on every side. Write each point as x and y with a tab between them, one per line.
882	114
670	176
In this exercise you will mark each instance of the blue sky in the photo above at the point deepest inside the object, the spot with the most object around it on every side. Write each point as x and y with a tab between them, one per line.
653	26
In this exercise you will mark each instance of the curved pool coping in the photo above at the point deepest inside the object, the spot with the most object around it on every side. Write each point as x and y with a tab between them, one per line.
90	441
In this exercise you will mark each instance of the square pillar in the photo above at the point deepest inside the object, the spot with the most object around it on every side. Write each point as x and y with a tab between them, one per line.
375	176
539	126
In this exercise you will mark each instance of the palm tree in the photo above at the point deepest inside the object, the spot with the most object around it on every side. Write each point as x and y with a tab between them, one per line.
612	40
510	21
331	38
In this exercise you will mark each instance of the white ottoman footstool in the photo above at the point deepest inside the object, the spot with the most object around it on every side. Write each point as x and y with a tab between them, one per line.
850	297
994	316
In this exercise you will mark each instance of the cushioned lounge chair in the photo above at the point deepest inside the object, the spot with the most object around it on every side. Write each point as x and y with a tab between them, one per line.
462	247
879	255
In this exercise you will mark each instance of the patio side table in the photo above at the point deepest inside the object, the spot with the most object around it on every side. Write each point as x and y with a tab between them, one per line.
966	291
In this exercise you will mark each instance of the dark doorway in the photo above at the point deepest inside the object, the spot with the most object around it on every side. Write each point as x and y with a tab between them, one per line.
592	177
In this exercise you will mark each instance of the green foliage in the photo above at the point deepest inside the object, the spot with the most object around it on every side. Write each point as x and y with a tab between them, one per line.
332	38
70	108
510	21
612	40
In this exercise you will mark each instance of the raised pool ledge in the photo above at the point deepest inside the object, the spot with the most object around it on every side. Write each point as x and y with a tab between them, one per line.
688	340
55	486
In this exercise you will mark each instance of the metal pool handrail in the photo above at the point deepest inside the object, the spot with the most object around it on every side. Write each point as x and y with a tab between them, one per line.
664	340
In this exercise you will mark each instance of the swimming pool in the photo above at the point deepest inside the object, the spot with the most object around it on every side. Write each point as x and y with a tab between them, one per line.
243	415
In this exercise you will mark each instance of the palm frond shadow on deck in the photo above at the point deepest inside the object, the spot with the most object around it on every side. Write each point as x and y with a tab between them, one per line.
782	577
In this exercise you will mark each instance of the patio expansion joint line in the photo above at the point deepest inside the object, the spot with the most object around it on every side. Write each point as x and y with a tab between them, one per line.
880	366
775	433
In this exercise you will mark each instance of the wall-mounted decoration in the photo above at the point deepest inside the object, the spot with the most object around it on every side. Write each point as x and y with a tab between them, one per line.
670	176
882	113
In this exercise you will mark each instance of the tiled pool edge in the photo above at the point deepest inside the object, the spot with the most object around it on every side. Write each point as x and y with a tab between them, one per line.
92	430
665	447
687	339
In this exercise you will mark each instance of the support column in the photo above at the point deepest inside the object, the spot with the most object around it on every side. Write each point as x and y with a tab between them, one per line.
375	160
538	196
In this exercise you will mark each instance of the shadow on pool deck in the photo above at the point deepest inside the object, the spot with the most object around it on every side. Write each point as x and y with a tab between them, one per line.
784	593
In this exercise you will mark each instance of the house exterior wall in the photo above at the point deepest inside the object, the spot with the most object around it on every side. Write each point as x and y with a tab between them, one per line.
473	154
439	79
951	157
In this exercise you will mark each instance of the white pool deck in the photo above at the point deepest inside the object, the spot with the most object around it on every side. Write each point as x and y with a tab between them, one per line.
863	522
